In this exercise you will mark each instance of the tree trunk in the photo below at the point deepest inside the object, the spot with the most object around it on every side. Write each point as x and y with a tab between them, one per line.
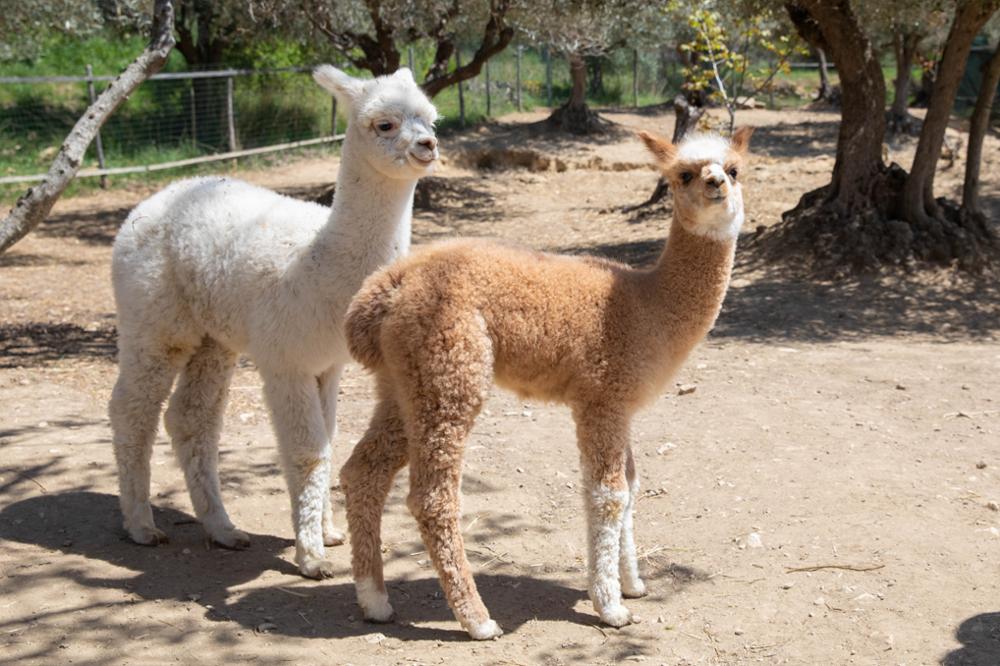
978	125
858	163
32	208
595	72
575	116
918	193
904	49
825	92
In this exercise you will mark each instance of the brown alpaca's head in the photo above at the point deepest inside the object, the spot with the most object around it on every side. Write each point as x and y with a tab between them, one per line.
704	175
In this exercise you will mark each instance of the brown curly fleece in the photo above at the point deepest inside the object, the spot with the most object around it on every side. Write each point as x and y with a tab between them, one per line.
437	328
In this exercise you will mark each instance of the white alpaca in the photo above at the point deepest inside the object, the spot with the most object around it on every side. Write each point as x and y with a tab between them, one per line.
210	267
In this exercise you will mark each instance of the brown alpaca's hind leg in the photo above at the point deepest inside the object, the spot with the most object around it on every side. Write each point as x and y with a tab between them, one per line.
445	390
603	439
366	479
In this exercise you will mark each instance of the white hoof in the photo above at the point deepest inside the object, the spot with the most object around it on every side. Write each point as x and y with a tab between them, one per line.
147	535
635	590
333	537
374	603
616	616
485	630
313	567
231	538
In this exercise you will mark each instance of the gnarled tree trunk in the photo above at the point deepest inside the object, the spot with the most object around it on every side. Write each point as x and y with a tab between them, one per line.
977	132
575	116
919	205
871	215
32	208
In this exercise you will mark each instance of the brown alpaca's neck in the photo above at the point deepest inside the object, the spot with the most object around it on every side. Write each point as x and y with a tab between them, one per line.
690	282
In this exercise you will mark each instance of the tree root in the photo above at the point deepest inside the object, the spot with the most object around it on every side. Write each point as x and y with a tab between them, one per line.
828	240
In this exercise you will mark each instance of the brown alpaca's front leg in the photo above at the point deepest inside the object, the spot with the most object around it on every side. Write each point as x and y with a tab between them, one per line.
603	440
628	563
366	478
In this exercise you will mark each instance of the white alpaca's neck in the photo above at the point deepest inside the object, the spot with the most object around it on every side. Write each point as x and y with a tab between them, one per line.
370	220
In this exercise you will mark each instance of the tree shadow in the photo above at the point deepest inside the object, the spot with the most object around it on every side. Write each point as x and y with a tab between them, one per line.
767	302
40	343
980	638
25	260
86	524
776	302
801	140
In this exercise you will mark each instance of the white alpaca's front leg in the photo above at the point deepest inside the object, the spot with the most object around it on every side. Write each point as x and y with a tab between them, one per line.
329	386
300	428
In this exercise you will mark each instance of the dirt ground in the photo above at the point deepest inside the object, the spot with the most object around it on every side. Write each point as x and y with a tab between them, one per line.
827	495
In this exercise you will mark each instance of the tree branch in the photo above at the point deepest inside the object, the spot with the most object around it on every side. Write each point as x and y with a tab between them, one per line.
32	208
496	36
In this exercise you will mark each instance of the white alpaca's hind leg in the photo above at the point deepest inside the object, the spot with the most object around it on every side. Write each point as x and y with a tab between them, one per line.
143	384
628	564
329	387
300	428
194	422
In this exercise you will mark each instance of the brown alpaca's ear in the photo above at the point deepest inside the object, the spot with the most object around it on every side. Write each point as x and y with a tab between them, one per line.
662	150
740	140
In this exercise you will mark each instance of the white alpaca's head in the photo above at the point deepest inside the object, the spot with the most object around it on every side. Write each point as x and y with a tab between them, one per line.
390	117
703	171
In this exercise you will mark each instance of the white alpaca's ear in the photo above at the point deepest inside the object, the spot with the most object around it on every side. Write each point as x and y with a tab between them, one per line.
344	87
404	74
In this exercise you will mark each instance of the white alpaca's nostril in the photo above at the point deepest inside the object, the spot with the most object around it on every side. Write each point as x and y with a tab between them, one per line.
430	143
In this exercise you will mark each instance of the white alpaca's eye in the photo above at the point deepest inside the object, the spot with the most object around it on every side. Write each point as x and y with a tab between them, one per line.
385	126
733	173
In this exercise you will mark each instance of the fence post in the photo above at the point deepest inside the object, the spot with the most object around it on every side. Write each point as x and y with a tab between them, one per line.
333	116
92	94
517	72
409	57
461	93
635	78
548	76
194	118
230	119
489	105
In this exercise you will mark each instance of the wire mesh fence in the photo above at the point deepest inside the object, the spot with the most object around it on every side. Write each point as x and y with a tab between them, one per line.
180	118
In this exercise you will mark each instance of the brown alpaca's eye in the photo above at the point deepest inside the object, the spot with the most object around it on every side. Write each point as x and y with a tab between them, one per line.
732	173
687	177
385	126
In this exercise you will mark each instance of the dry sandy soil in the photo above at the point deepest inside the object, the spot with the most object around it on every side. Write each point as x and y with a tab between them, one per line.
826	495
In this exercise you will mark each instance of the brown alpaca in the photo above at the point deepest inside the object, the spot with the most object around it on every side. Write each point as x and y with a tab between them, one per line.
604	338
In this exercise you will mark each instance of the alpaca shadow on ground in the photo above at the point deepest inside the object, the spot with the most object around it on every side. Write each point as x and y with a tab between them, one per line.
40	343
980	638
96	227
84	524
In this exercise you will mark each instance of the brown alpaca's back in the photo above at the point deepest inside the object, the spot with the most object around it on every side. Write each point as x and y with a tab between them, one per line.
561	328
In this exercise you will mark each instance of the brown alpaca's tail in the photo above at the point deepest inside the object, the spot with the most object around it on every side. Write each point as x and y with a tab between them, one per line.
365	315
